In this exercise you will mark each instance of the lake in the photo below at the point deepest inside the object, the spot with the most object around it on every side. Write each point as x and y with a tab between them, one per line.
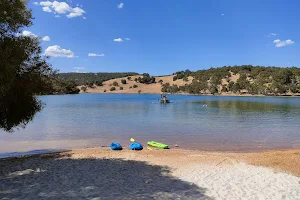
192	122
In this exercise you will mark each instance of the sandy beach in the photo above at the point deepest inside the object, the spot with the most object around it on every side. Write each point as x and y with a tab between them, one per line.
152	174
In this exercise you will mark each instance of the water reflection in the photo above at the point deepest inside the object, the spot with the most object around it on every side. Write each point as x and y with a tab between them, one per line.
226	123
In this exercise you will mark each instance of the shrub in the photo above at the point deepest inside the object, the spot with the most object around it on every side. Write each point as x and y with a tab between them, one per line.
129	78
115	83
99	83
83	88
185	79
112	88
130	87
135	86
104	91
123	81
136	80
139	91
121	88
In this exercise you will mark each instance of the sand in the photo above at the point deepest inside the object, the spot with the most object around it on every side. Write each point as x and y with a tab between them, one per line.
152	174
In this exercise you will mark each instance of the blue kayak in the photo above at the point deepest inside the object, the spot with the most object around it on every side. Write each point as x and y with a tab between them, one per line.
135	146
115	146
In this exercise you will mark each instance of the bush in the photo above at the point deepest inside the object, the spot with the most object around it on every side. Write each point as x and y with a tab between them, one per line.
115	83
123	81
121	88
99	83
104	91
139	91
129	78
136	80
130	87
112	89
185	79
135	86
83	88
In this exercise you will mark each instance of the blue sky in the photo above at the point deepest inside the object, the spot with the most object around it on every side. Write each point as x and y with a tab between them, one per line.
165	36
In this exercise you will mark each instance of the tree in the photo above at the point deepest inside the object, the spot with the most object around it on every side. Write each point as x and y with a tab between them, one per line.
112	88
129	78
83	88
24	73
115	83
134	86
123	81
99	83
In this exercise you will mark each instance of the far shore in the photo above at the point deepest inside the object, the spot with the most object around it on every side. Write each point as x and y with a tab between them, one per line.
100	173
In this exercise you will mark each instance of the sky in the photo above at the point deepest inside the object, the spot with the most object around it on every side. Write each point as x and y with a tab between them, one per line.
161	37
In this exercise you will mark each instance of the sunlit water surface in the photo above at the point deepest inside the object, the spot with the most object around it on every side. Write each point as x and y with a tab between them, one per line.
192	122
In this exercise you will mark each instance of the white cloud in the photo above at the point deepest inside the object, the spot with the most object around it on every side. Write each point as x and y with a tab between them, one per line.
36	3
57	16
118	40
223	14
61	8
47	9
29	34
272	34
120	5
94	54
46	38
127	39
57	51
84	17
279	43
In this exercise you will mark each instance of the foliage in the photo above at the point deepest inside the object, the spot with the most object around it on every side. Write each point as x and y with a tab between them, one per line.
129	78
146	79
23	71
139	91
83	88
252	80
115	83
112	89
182	74
134	86
123	81
98	83
121	88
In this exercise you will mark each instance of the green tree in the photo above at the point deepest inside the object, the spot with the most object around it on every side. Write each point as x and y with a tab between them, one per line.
115	83
112	89
123	81
83	88
23	71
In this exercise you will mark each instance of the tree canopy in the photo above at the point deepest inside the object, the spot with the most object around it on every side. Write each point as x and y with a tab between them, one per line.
23	71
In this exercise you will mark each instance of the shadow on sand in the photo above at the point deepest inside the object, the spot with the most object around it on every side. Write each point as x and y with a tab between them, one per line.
55	177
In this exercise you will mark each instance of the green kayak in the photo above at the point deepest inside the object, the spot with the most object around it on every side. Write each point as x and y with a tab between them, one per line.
158	145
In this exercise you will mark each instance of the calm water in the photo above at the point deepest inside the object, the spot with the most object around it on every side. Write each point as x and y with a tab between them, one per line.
95	120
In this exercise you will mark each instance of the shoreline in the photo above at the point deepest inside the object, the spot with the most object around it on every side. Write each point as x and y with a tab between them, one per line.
246	156
100	173
188	94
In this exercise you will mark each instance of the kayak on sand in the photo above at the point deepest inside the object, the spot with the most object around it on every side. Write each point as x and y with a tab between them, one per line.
158	145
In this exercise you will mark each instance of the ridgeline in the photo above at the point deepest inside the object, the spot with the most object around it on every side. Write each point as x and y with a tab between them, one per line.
227	80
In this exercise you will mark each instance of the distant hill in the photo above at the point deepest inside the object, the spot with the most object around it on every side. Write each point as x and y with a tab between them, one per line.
88	78
227	80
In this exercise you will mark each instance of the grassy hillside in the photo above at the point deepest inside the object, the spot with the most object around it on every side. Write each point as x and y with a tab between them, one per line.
91	78
227	80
